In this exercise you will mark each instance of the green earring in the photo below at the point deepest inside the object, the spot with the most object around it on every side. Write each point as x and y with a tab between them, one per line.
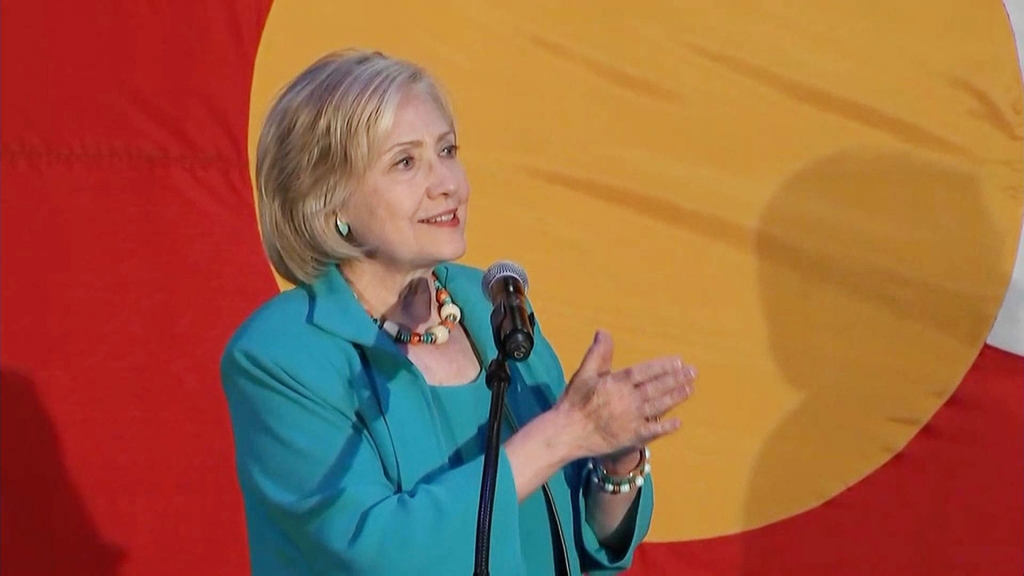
342	226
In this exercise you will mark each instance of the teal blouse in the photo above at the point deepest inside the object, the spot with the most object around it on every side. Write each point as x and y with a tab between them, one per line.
462	420
350	463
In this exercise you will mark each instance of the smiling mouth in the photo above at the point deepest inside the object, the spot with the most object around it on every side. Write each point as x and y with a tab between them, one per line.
445	217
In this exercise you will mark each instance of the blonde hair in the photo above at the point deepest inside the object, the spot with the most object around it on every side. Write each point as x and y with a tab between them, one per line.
319	139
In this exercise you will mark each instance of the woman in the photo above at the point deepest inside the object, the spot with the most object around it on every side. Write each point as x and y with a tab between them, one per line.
357	398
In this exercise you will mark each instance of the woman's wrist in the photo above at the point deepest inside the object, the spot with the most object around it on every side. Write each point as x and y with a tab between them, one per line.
617	481
568	428
537	451
565	445
621	463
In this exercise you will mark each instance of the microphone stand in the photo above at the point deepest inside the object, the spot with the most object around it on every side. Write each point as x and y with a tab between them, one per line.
498	379
512	329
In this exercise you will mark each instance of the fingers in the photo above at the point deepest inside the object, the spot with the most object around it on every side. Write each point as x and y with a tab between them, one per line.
659	395
653	429
598	359
677	383
626	406
656	404
651	369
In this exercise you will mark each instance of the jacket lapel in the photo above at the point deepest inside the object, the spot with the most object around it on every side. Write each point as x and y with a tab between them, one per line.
393	380
385	378
397	385
335	309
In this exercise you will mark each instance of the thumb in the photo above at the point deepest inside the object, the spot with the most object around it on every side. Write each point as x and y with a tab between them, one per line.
598	358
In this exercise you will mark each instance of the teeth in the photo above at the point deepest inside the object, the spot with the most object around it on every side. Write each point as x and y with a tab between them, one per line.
445	218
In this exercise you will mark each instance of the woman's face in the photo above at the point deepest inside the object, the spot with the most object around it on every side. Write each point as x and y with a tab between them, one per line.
409	211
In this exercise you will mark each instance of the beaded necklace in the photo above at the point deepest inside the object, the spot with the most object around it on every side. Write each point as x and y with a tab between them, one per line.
438	334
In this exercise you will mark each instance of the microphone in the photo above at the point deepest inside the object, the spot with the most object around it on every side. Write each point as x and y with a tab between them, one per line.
505	285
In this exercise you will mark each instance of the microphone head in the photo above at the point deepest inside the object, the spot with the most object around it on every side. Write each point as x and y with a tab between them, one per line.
502	269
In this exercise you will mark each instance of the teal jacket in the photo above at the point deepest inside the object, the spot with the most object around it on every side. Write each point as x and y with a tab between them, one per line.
340	468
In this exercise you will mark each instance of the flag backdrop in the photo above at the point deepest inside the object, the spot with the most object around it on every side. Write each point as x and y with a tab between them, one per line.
818	205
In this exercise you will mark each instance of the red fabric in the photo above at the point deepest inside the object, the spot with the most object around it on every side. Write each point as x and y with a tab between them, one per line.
952	502
129	252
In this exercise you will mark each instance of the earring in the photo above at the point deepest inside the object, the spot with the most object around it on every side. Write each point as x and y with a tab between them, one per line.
342	226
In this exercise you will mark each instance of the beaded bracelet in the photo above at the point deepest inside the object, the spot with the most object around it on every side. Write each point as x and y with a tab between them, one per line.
621	485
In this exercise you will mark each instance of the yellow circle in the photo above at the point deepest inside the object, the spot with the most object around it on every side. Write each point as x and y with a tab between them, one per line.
816	203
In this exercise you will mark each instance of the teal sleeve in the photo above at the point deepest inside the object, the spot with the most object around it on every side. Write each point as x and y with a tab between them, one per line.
310	473
595	559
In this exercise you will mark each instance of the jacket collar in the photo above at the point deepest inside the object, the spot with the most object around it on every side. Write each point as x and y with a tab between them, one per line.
335	309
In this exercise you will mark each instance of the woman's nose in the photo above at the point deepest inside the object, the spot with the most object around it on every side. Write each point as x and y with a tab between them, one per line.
443	180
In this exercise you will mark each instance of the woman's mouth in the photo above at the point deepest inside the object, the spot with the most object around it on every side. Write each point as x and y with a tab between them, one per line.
449	218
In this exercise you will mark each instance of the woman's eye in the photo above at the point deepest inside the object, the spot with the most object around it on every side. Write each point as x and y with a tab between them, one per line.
404	162
451	150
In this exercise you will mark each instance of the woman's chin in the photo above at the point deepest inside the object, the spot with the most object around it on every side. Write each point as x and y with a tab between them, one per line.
453	252
441	254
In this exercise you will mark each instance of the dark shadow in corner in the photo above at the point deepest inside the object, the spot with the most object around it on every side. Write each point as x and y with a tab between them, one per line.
45	527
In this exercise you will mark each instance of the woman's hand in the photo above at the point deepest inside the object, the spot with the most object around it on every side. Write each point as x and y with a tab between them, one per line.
605	414
611	413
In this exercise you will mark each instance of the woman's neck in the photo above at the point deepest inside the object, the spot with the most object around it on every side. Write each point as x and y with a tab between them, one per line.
405	297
